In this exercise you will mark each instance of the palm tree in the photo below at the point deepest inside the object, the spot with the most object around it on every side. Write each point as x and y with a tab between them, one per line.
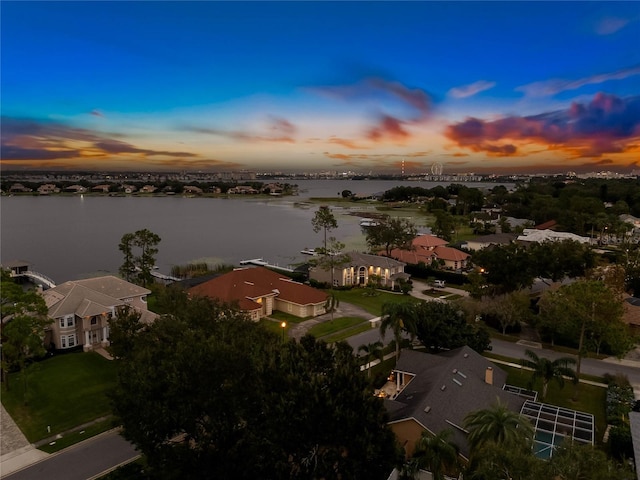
371	351
548	370
436	453
396	317
498	425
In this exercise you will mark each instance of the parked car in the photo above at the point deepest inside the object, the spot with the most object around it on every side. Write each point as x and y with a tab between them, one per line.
438	283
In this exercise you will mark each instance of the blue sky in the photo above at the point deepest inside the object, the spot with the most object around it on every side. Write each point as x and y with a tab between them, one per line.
301	86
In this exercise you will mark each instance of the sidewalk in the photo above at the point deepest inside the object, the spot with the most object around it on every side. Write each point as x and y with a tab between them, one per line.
16	452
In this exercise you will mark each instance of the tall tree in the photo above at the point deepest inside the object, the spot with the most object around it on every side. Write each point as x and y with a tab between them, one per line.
324	220
390	233
497	425
511	309
22	327
147	242
444	225
139	266
587	308
441	326
396	317
128	267
549	370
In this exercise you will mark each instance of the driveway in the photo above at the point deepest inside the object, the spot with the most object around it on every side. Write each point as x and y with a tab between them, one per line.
344	310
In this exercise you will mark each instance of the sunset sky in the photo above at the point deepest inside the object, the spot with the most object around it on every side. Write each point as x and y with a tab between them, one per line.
500	87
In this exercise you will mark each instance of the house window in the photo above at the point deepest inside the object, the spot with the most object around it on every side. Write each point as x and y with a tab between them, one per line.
71	340
94	321
62	323
63	341
70	321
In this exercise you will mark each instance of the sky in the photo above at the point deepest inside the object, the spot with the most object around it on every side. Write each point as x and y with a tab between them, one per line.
482	87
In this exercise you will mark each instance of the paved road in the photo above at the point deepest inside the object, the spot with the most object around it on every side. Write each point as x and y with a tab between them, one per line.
82	461
589	366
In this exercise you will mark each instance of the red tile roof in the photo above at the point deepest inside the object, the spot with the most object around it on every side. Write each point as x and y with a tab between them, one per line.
245	285
452	254
428	241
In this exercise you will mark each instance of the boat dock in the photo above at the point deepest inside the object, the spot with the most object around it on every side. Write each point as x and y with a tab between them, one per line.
261	263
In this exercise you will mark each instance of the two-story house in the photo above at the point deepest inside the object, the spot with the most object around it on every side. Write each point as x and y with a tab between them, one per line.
81	310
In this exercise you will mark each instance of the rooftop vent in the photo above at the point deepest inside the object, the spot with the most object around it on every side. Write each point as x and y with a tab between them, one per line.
466	355
457	382
443	388
427	409
462	375
455	370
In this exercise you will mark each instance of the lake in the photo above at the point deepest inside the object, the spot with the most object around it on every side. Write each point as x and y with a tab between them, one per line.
69	238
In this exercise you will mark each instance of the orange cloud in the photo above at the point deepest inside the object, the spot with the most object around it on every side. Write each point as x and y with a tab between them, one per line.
607	124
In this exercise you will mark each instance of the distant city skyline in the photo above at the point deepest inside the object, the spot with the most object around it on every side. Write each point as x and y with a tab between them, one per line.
501	87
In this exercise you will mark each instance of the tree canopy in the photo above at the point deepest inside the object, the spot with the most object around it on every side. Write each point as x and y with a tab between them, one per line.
23	324
391	232
138	264
205	393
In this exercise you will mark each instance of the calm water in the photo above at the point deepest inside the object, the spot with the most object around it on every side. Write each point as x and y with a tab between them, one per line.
68	238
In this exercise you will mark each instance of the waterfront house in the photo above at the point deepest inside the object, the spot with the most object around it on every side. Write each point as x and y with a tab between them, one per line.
81	310
429	249
101	188
47	189
258	291
359	269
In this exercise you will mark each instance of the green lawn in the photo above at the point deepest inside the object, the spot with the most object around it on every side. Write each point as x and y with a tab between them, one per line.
361	298
63	392
591	399
287	317
344	334
335	325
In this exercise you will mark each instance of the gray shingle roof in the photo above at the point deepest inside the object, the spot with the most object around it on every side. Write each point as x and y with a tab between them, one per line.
446	388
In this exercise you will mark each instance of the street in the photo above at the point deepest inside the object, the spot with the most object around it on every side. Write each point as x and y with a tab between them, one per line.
82	461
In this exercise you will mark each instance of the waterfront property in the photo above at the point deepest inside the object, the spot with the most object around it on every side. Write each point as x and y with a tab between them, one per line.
259	291
428	249
359	269
81	310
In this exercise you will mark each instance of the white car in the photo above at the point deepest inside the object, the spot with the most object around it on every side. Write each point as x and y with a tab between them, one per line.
438	283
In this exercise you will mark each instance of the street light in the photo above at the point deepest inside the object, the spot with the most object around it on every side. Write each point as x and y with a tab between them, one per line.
283	325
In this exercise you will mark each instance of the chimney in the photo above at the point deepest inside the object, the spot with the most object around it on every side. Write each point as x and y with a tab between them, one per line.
488	376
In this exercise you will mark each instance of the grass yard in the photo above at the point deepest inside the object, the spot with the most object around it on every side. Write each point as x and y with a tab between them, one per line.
344	334
286	317
335	325
63	392
274	325
373	305
591	399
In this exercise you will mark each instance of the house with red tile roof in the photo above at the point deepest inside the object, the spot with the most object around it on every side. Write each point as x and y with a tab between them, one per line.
429	248
259	291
